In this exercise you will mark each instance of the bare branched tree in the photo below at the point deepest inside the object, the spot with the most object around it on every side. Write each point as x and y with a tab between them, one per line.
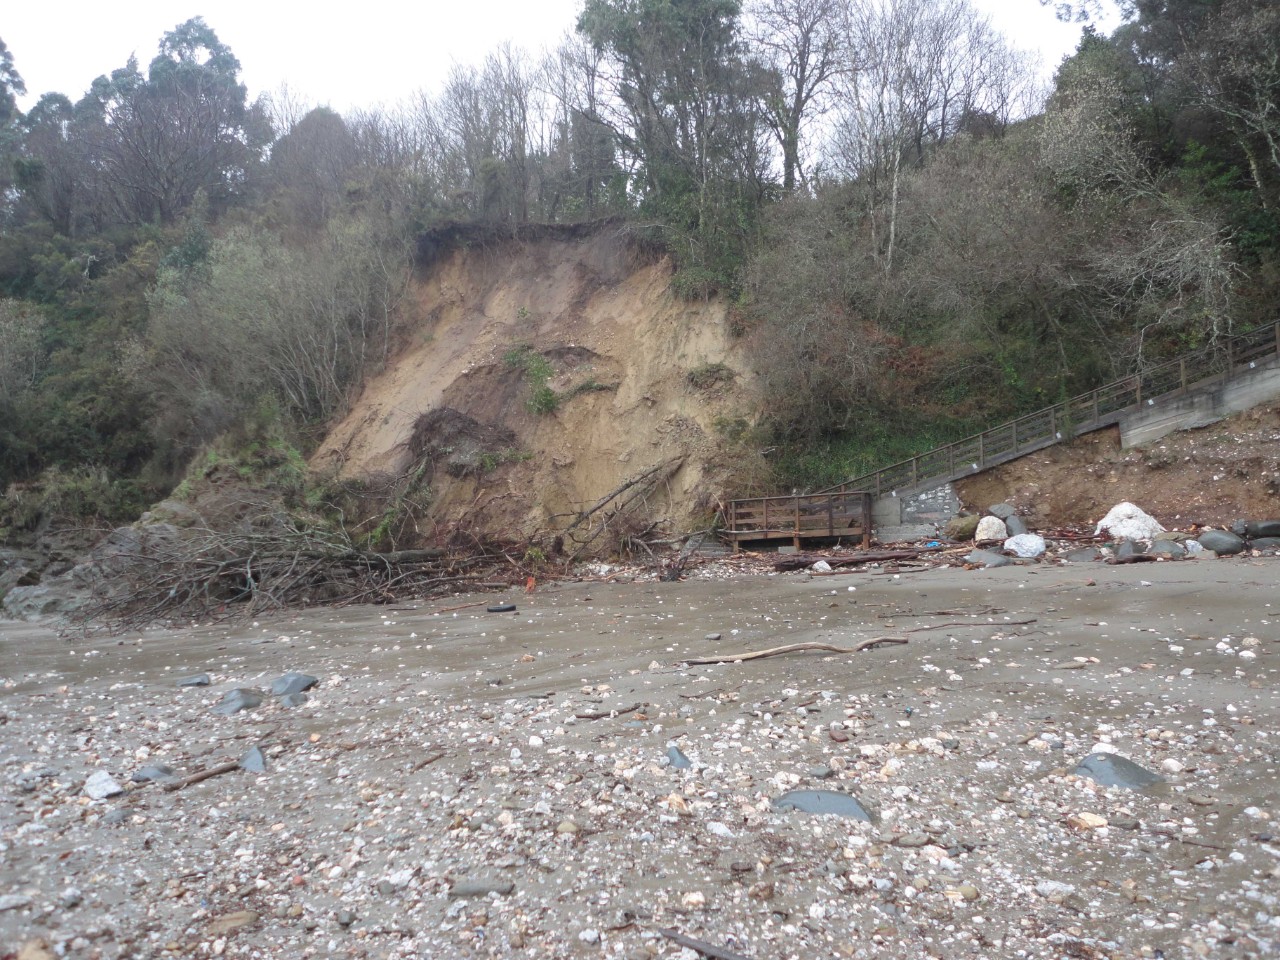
805	44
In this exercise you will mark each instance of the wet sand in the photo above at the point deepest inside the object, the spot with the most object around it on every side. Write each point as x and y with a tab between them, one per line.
961	742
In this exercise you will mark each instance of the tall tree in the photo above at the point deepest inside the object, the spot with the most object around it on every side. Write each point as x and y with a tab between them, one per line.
804	42
183	129
11	87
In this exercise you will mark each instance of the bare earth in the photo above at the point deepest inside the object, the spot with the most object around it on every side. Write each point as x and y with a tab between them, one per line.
961	741
1210	476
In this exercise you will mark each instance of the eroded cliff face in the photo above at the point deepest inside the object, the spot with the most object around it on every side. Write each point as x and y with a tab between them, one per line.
592	318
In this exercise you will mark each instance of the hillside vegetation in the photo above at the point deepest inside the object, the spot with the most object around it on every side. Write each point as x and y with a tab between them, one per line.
889	232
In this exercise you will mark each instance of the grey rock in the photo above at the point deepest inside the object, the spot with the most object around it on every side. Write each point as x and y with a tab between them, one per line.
1015	525
293	699
678	759
13	901
1262	528
292	682
1109	770
100	786
233	701
481	888
70	899
1266	543
1128	548
118	815
988	558
1083	555
1240	528
961	528
712	637
345	918
254	760
1168	548
1221	542
54	598
1002	510
824	801
195	680
820	773
152	771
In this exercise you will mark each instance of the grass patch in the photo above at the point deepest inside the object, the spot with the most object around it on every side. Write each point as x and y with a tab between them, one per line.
707	375
537	372
878	444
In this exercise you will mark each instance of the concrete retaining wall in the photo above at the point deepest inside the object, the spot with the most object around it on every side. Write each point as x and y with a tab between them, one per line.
1202	407
922	514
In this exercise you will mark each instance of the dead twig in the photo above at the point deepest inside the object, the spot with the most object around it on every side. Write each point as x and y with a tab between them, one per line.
701	946
973	623
794	648
427	761
202	775
600	715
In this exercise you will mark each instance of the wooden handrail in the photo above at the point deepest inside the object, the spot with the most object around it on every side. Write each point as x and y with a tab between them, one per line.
1044	427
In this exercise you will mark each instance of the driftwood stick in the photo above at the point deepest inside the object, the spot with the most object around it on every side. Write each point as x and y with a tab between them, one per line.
973	623
704	948
203	775
600	715
427	761
462	606
795	648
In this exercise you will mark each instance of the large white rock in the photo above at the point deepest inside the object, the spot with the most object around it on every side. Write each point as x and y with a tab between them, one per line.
100	786
991	528
1026	545
1127	522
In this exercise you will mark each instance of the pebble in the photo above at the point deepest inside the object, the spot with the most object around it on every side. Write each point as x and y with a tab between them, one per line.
230	922
292	682
481	888
101	785
677	758
589	935
823	802
13	901
152	772
233	701
345	917
196	680
254	761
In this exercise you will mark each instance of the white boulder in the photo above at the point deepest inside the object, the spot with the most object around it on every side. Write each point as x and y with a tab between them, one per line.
1025	545
1125	521
990	528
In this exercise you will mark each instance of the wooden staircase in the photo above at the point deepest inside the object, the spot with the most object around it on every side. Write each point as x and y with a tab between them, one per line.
844	510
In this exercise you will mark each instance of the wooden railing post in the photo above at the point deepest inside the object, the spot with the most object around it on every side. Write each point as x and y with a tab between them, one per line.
1015	436
765	501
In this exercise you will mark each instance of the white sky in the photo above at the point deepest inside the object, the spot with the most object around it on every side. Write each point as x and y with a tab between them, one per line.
374	52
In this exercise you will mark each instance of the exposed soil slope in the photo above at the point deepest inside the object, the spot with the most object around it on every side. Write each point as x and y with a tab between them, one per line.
1223	472
619	346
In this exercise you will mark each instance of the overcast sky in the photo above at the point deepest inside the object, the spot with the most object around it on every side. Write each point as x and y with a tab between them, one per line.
379	52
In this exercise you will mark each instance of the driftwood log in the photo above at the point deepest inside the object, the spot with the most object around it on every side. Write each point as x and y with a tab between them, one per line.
800	561
794	648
